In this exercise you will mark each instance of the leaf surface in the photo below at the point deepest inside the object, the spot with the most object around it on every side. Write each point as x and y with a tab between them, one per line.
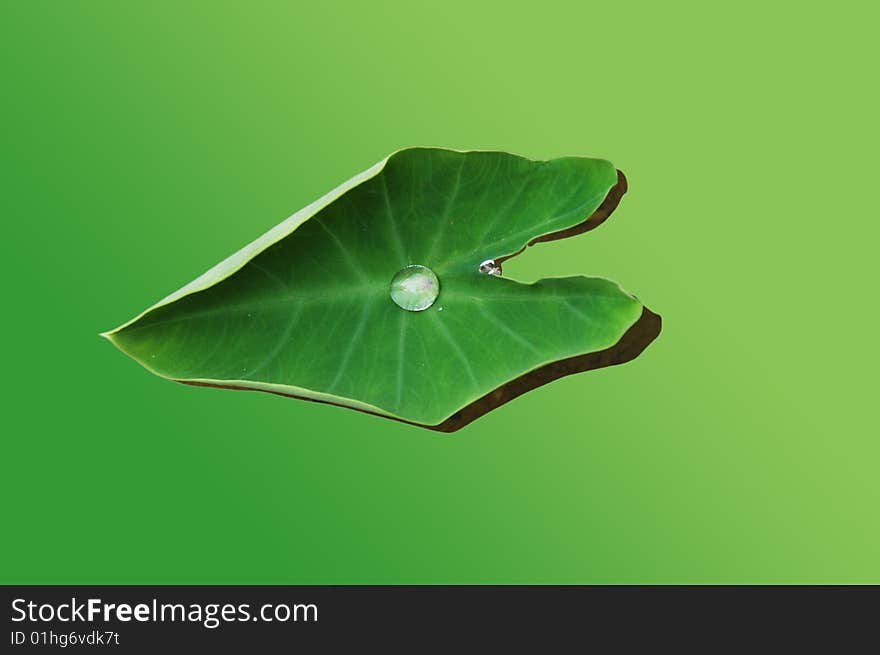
306	311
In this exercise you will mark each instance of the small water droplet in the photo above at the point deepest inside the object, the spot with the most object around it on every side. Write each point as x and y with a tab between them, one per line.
439	309
489	267
415	288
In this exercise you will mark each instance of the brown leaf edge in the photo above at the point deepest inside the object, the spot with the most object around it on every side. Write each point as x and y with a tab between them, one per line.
630	346
603	211
634	341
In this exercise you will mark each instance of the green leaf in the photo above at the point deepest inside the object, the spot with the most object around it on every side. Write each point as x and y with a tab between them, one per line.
307	311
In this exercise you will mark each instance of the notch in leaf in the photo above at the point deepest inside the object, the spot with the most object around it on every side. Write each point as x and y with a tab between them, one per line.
386	294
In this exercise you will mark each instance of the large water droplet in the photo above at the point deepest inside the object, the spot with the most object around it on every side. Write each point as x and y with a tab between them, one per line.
415	288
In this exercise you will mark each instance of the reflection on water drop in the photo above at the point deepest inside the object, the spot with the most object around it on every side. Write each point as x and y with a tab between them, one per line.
489	267
415	288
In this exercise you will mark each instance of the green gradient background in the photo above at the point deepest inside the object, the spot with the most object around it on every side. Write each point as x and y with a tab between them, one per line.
140	146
